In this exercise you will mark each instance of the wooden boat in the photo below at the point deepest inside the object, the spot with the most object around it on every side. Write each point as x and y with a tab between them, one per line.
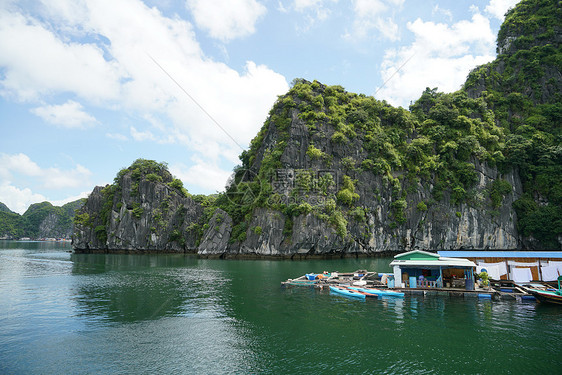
379	292
548	296
347	292
367	294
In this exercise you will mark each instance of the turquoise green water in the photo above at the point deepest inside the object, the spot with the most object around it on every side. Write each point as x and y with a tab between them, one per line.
63	313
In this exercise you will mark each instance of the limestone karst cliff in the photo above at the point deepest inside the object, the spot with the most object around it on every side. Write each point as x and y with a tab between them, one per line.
144	209
336	173
40	220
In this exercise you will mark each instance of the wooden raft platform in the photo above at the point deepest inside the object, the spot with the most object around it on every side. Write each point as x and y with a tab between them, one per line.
504	290
360	277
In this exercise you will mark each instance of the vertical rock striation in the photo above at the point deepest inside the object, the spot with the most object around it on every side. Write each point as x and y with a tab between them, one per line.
144	210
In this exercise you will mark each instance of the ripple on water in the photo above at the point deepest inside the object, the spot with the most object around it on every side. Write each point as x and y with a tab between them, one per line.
176	314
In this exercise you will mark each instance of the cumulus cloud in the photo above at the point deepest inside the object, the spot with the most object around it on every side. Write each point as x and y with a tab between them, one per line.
18	162
38	62
21	168
440	56
142	136
445	12
73	198
313	10
498	8
226	19
375	16
67	115
50	178
18	200
55	178
103	53
207	176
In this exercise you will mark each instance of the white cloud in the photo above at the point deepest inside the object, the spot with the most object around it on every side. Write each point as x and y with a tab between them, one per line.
313	10
18	200
54	178
117	136
445	12
68	115
369	8
37	62
440	56
238	101
375	15
301	5
226	19
20	163
498	8
50	178
111	68
141	136
62	202
207	176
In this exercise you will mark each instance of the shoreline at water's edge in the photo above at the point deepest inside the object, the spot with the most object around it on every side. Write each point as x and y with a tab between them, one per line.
248	256
254	256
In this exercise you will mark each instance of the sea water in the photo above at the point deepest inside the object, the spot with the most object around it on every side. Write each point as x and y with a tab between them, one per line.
65	313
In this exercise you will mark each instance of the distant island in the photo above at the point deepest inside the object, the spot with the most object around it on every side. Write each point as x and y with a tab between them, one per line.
40	221
333	173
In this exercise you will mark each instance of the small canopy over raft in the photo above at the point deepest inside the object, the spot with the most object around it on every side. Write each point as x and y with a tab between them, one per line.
419	268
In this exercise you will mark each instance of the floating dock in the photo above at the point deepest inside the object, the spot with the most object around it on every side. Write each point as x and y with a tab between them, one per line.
504	290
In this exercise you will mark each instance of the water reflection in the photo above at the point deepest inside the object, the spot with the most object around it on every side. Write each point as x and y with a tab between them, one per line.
99	313
130	288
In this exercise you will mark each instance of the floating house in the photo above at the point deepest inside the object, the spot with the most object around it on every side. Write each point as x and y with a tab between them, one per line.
517	266
423	269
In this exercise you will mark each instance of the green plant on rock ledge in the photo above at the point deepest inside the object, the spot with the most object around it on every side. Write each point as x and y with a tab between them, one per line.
347	194
137	210
83	219
399	207
257	230
315	153
101	233
340	223
498	190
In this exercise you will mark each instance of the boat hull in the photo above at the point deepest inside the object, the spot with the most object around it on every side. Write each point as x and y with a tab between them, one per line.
383	293
347	292
546	297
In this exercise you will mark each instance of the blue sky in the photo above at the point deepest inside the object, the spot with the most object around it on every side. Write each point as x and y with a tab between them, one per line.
87	87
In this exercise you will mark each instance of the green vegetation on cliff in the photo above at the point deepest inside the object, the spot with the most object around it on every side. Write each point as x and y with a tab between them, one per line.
10	224
362	173
523	88
40	220
508	115
144	207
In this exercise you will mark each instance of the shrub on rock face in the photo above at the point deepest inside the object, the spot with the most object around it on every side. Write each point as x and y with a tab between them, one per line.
347	194
314	153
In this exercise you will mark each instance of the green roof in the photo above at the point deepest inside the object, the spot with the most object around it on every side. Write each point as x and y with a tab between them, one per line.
417	255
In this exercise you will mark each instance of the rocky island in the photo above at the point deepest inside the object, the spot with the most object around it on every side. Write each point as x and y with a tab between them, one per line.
39	221
333	173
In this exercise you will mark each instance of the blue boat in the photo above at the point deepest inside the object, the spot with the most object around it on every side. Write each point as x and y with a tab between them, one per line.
347	292
379	292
